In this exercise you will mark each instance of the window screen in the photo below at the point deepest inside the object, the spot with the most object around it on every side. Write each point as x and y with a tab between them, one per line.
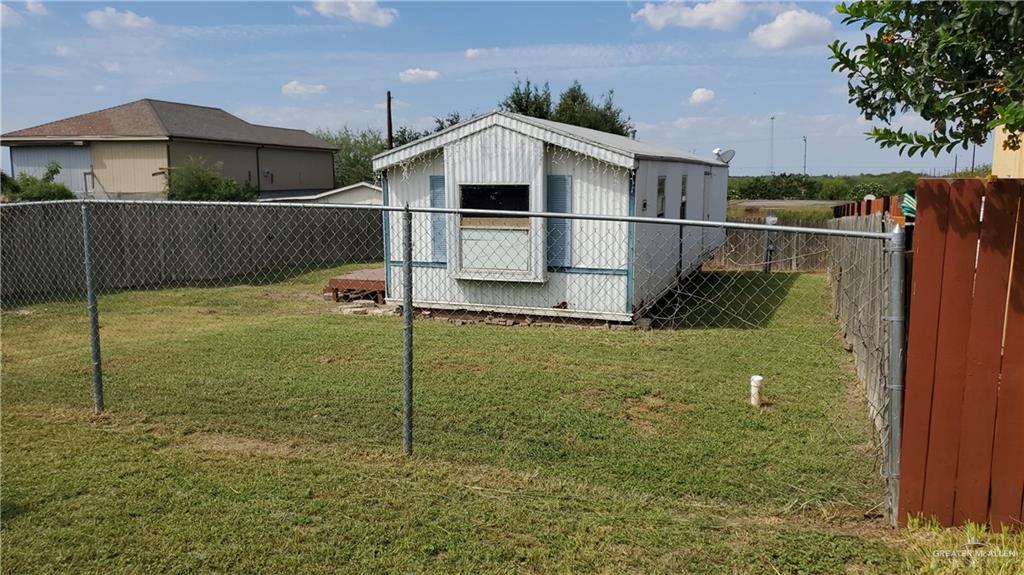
495	197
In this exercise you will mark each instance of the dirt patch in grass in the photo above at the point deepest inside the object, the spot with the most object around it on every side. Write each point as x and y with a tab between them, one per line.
225	443
648	413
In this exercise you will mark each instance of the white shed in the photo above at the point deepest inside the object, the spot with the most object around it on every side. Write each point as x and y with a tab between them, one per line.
606	270
363	193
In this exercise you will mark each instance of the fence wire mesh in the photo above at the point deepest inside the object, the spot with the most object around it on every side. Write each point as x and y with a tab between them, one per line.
807	295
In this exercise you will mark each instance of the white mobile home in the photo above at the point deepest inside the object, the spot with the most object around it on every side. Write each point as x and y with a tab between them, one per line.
607	270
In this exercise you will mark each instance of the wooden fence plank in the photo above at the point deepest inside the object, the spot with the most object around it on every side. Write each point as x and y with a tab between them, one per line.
926	289
950	359
1007	496
984	354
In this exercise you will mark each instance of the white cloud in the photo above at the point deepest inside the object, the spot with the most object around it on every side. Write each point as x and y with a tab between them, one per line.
296	88
8	16
61	50
792	28
111	19
701	96
300	11
716	14
99	88
418	75
35	8
472	53
112	67
362	11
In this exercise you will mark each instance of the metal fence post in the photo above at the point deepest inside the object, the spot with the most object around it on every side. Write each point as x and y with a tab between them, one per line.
94	313
769	244
407	313
897	337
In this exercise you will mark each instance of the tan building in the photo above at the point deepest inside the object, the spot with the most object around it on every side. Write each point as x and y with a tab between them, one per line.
1006	163
125	152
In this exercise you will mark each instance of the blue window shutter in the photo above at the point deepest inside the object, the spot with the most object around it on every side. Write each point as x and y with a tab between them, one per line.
559	231
438	232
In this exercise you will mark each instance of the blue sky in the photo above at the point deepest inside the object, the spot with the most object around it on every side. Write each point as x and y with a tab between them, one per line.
692	75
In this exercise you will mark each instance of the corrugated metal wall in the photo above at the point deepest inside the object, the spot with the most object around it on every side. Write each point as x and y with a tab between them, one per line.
295	169
74	164
597	189
412	186
498	155
125	170
238	162
660	251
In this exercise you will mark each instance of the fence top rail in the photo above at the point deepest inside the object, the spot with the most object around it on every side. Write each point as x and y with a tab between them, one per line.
479	212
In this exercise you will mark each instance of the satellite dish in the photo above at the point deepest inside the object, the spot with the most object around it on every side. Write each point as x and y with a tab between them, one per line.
724	156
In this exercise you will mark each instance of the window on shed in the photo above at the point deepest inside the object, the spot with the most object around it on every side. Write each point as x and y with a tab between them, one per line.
660	204
682	199
496	197
495	244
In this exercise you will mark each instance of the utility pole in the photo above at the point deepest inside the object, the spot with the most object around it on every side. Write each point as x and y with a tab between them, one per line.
805	155
771	147
974	150
391	137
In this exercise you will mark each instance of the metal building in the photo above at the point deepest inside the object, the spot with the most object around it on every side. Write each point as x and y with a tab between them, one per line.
604	270
125	152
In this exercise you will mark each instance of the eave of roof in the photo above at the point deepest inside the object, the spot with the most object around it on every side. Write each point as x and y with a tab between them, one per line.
604	147
324	194
150	119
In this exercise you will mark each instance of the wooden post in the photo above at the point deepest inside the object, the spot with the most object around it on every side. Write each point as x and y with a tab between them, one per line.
391	136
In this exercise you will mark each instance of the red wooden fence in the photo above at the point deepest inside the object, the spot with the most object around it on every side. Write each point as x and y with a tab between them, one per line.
890	204
963	421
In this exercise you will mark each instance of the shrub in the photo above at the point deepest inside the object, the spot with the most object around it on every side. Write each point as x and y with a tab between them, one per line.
195	181
777	187
27	188
859	191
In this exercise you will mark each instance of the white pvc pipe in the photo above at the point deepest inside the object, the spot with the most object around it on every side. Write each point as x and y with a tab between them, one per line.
756	383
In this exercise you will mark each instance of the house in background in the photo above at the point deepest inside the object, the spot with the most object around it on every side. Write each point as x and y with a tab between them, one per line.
359	193
1006	163
125	152
607	270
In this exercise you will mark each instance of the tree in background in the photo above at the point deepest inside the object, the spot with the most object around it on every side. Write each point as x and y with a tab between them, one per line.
957	64
26	188
799	186
777	187
859	191
195	181
404	134
356	149
448	121
528	99
574	107
353	162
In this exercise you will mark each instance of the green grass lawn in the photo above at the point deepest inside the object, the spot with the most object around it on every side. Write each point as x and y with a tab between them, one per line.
251	429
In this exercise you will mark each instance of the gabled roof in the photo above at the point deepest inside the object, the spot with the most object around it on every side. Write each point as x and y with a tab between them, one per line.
157	119
611	148
305	196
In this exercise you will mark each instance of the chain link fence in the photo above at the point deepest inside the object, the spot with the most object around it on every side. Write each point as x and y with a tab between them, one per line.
807	291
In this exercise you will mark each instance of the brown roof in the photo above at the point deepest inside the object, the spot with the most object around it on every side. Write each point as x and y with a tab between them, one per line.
156	118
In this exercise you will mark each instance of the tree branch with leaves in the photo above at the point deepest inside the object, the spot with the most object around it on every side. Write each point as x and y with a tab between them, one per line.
959	65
